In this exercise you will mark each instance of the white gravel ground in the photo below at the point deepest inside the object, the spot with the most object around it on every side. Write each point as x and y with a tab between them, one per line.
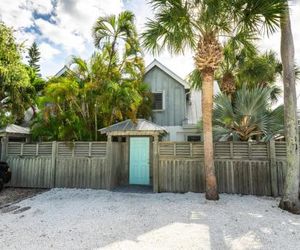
95	219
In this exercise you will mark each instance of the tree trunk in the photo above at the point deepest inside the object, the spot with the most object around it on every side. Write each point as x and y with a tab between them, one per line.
290	200
207	106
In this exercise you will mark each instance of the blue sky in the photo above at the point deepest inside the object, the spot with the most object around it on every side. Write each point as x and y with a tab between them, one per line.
63	28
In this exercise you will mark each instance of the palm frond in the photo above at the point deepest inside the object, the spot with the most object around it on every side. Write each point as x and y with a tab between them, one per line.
172	27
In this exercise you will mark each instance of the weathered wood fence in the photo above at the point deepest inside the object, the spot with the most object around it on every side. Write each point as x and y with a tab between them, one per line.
58	164
242	168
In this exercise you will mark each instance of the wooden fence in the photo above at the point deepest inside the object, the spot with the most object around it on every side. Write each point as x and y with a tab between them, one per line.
243	168
59	164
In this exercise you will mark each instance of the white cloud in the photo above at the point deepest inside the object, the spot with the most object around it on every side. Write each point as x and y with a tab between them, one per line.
40	6
70	41
69	29
14	13
47	51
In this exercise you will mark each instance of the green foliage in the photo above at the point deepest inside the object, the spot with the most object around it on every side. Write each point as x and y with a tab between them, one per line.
99	92
178	25
34	56
249	117
13	78
247	66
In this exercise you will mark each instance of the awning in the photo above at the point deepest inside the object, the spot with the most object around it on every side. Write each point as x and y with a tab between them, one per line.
139	127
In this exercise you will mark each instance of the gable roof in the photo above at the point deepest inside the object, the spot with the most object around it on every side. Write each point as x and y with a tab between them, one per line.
156	63
15	129
62	71
129	125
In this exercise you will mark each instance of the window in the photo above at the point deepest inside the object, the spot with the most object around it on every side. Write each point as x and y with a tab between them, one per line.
158	101
193	138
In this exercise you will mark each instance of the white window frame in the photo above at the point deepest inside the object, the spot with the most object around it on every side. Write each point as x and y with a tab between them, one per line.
163	100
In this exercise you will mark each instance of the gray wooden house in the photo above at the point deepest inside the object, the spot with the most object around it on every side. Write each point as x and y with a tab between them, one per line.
176	106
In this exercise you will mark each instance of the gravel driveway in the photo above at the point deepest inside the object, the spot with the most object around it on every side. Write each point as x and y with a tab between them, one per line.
96	219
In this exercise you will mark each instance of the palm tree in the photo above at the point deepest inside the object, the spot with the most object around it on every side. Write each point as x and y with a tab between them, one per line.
290	200
249	116
113	31
200	25
97	92
244	65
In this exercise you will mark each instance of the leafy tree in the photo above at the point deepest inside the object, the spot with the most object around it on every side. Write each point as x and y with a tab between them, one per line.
13	78
249	116
34	57
103	90
200	25
290	200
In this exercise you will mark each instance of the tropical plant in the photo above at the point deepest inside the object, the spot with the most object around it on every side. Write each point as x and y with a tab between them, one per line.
98	92
244	66
200	25
290	200
249	116
13	78
114	31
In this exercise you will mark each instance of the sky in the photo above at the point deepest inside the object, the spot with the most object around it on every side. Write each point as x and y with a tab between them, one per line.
62	28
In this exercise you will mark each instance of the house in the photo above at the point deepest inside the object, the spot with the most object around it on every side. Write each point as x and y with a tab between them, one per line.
176	106
176	113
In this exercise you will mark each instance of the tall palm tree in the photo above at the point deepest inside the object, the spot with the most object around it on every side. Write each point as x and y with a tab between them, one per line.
290	200
200	25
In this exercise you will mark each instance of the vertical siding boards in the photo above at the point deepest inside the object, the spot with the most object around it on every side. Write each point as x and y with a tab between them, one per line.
174	94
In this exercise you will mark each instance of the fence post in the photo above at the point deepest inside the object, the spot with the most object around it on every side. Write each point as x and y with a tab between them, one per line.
53	162
155	165
273	168
109	155
4	142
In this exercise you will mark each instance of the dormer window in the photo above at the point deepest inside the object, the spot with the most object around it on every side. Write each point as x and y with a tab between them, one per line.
158	101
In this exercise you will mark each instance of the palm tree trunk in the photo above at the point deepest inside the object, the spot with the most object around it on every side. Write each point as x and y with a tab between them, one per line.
207	106
290	200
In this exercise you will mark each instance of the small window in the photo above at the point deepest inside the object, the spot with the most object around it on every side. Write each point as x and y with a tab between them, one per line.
193	138
158	102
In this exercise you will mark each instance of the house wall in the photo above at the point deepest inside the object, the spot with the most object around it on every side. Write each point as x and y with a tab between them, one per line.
180	133
174	98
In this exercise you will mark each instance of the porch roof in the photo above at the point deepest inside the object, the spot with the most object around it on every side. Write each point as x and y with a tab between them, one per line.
15	129
139	127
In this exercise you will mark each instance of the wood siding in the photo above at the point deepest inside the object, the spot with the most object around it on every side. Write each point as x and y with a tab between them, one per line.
174	98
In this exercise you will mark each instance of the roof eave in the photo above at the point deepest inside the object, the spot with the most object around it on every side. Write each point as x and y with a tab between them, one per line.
158	64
